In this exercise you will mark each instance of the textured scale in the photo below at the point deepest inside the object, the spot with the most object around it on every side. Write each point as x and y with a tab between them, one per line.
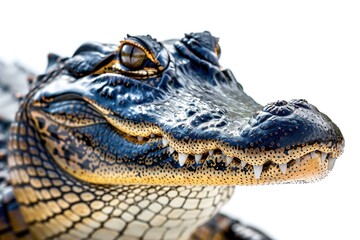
146	140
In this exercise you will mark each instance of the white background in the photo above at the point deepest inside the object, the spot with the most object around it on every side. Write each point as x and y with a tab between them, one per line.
276	49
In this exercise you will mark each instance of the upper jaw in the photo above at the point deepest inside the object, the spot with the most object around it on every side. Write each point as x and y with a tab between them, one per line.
305	162
280	134
290	155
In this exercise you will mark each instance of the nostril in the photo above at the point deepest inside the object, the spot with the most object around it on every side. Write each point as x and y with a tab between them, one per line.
302	103
279	108
280	103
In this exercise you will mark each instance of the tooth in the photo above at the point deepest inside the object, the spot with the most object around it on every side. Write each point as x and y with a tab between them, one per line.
331	163
198	157
182	158
323	156
257	171
243	164
140	138
211	152
283	167
298	161
171	150
228	160
313	154
165	142
152	135
306	157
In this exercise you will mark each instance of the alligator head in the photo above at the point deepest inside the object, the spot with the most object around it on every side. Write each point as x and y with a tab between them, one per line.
167	113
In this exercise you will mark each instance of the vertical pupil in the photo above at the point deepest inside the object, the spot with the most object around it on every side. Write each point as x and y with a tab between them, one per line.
132	57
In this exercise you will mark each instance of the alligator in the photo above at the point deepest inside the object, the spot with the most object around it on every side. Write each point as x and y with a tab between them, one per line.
146	140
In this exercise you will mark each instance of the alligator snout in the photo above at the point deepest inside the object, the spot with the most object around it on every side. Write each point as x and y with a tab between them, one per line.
291	123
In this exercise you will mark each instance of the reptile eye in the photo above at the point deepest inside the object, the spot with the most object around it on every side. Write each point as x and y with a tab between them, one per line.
218	50
132	57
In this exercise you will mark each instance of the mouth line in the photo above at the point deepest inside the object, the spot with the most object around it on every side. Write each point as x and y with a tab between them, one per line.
218	155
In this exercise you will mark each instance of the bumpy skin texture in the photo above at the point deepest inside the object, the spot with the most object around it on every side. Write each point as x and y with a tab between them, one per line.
179	94
145	141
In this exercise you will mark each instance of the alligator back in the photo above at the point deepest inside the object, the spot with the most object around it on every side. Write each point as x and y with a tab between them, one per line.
13	84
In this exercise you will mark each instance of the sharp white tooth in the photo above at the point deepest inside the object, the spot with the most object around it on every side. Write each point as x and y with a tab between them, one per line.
257	171
198	157
140	138
313	155
243	164
331	163
165	142
306	157
182	158
171	150
298	161
228	160
323	156
283	167
211	152
152	135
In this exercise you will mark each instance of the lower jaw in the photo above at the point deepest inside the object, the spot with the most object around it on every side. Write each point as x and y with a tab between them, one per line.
305	170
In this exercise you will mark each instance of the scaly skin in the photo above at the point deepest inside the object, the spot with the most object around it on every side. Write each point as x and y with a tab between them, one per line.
146	140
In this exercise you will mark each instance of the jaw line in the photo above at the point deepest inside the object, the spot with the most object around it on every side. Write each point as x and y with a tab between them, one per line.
196	152
249	158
